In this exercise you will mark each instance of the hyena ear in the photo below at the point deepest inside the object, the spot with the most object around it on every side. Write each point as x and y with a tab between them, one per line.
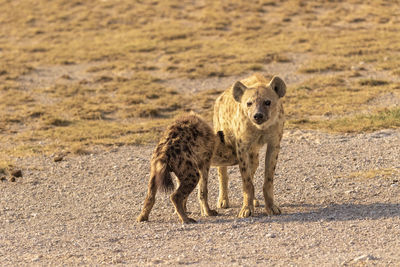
238	90
278	85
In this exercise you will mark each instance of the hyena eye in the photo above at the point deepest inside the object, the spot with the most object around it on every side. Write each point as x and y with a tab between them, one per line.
267	102
249	104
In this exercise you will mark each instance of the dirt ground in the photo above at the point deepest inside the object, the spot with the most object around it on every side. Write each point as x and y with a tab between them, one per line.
339	195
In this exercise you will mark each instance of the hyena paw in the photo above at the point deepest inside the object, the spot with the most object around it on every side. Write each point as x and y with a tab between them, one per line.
272	210
245	212
212	213
209	212
189	220
223	203
142	218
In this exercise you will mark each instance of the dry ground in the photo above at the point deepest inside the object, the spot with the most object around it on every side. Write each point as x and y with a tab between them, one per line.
339	195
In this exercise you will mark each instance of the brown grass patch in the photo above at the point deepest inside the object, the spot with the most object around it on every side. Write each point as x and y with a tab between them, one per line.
375	173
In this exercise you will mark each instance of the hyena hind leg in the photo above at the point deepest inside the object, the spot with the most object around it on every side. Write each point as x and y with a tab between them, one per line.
203	194
186	186
149	201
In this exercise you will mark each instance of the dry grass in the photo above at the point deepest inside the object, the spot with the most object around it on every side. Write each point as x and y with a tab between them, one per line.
375	173
75	74
389	118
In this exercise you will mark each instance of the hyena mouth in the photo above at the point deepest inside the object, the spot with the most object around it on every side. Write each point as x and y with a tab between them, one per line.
259	121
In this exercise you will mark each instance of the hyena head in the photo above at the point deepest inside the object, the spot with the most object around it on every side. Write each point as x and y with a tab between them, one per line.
260	103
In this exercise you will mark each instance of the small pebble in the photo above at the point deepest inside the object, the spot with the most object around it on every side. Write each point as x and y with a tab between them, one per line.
36	258
364	257
58	158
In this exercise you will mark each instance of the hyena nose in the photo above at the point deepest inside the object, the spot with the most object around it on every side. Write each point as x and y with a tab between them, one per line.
258	116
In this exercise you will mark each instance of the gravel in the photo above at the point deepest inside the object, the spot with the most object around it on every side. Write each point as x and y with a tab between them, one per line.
82	210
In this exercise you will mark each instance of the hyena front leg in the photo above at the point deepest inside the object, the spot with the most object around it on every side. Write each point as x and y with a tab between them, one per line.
203	193
271	158
223	200
254	161
248	187
150	199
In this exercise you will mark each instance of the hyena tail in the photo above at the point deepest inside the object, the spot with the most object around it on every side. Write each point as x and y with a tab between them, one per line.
162	174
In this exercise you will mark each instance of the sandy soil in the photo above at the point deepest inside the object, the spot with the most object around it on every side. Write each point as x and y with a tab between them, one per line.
82	210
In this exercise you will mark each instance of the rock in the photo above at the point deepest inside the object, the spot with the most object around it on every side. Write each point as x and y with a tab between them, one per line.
58	158
36	258
16	173
3	179
271	235
364	258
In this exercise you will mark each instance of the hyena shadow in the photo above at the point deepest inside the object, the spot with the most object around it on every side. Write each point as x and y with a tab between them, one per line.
316	213
336	212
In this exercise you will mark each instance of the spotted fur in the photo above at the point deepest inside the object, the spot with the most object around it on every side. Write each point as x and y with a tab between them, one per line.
186	148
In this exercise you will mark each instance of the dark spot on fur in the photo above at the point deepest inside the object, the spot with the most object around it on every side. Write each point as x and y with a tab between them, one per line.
174	135
180	162
243	169
189	164
195	133
185	148
200	165
221	136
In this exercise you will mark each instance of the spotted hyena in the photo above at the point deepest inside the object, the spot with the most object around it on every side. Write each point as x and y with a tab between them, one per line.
250	114
186	149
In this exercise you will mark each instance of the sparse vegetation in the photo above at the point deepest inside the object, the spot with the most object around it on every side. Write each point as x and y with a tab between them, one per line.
374	173
75	74
372	82
389	118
